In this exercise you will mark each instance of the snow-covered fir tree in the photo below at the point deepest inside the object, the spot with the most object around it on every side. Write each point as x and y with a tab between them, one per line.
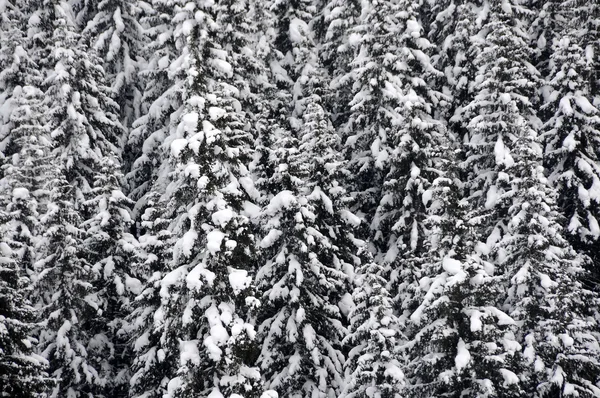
22	372
66	299
20	196
153	365
81	115
376	361
452	335
390	98
112	30
453	25
110	251
337	52
17	68
559	347
406	162
206	298
308	252
534	266
571	135
162	80
25	176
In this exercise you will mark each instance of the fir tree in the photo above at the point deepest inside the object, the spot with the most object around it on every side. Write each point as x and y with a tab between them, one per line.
26	174
571	134
518	218
338	50
21	196
375	363
22	372
82	116
559	347
307	248
406	142
66	300
452	333
153	365
114	33
453	25
162	80
387	79
207	295
110	250
17	69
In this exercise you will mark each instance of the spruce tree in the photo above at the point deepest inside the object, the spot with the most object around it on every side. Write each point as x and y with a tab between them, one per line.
21	197
338	49
112	31
153	365
570	136
307	248
517	218
406	143
81	115
453	25
559	347
452	333
110	251
375	363
162	80
387	77
206	296
17	69
66	300
22	372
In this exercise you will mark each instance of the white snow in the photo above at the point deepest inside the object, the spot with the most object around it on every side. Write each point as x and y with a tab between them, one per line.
189	122
509	377
463	357
269	394
213	241
20	193
271	238
187	242
569	143
346	304
189	352
283	200
452	266
170	279
426	197
584	104
354	39
222	217
350	218
197	276
298	30
394	371
413	28
502	154
476	324
218	334
546	282
239	280
215	393
223	66
177	146
215	113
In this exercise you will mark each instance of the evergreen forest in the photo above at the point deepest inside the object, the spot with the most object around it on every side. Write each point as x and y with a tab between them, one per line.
299	198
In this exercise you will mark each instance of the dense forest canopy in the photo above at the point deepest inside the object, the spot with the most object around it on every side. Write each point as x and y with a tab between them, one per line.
299	198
